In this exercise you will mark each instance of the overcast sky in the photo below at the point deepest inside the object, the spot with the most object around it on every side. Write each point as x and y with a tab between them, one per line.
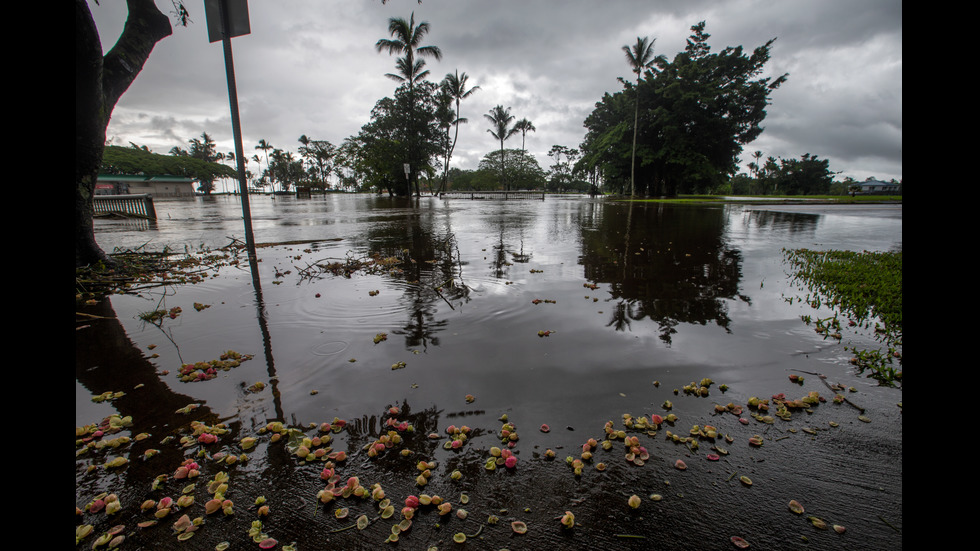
310	67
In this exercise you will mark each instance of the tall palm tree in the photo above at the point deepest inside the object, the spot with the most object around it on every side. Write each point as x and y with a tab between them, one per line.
455	86
524	126
639	57
757	155
501	118
406	38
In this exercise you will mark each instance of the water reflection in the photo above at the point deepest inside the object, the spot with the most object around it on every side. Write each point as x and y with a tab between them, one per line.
791	222
428	262
459	286
262	318
668	264
106	360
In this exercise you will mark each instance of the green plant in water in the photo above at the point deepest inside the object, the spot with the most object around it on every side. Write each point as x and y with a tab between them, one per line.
866	287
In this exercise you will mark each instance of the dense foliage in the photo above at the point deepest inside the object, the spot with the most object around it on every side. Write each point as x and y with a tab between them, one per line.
130	160
403	130
807	175
520	168
695	114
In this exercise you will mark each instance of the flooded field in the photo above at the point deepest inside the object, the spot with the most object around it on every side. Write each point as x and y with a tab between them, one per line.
399	323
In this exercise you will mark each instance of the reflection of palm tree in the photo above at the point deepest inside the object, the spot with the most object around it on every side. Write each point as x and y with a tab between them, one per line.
640	57
501	118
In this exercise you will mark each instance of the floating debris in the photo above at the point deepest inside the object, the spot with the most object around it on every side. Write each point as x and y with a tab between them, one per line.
740	542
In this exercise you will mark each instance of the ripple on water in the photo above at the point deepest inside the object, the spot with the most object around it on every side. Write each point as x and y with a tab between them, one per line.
331	348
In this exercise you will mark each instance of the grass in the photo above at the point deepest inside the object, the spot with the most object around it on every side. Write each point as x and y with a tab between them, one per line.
865	287
771	199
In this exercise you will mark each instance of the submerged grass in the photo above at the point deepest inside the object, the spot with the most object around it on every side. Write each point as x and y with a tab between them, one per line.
770	199
864	286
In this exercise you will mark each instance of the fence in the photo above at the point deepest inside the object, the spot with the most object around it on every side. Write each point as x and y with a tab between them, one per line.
493	195
138	206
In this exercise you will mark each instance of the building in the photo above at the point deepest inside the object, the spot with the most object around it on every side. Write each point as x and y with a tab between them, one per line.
877	187
157	186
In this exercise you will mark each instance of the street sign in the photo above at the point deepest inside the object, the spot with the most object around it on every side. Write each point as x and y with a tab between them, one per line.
237	18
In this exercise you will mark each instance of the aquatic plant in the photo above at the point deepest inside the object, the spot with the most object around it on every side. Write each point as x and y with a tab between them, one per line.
864	287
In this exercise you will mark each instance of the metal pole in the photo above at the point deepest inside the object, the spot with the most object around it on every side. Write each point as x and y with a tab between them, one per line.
236	126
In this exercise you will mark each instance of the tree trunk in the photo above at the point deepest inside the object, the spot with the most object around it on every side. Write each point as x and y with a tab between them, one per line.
99	83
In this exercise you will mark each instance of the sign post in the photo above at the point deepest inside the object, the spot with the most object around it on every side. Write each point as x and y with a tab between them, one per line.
228	18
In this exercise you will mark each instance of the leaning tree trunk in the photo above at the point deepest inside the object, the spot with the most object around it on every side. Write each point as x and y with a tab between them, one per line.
99	83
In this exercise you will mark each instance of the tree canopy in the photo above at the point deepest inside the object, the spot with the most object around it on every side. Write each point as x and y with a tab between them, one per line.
403	129
693	116
130	160
521	170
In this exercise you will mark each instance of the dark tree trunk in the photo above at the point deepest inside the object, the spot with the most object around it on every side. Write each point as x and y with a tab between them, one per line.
99	83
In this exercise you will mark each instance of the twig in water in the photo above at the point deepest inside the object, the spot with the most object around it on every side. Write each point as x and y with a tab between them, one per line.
889	524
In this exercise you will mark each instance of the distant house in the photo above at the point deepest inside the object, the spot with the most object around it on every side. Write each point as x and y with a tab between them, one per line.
877	187
157	186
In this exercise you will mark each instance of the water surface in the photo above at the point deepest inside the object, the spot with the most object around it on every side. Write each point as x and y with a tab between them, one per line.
635	302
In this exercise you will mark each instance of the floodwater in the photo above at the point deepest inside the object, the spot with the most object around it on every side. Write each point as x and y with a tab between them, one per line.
570	312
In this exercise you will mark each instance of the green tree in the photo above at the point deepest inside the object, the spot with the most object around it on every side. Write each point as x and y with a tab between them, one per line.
522	173
501	129
100	80
319	155
640	58
401	128
348	163
807	175
406	38
286	169
206	150
561	176
696	114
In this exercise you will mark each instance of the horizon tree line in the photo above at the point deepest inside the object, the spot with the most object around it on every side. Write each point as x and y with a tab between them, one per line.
679	128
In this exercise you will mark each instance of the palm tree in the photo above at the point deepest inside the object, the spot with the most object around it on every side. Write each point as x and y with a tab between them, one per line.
639	57
406	38
501	118
266	147
524	126
455	86
757	155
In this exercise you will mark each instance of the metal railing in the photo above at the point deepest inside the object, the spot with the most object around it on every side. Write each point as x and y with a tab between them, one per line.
493	195
137	205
